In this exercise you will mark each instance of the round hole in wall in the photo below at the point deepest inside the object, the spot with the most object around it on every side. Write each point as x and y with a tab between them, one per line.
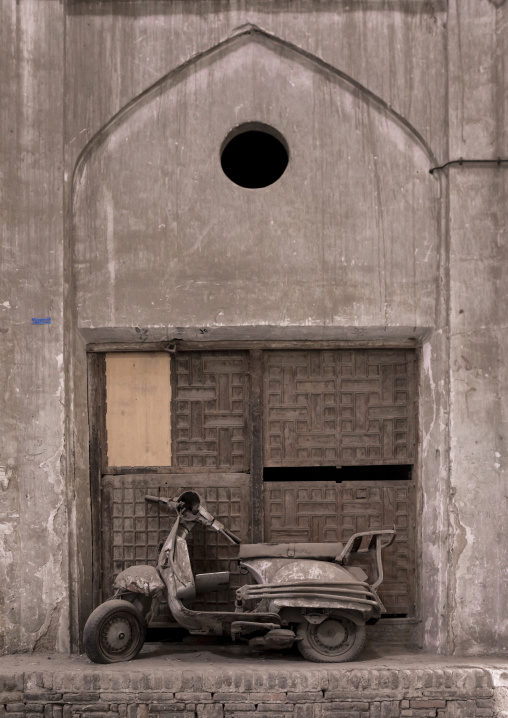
254	155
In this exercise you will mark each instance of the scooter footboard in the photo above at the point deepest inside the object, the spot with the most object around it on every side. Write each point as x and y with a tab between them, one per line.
215	622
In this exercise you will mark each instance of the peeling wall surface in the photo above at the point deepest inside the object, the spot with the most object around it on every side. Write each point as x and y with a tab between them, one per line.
116	216
478	336
34	536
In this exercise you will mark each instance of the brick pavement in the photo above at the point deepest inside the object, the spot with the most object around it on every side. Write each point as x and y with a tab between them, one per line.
201	684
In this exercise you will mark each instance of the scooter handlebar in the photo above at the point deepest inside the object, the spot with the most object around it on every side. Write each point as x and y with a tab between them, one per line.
205	517
201	515
163	502
231	536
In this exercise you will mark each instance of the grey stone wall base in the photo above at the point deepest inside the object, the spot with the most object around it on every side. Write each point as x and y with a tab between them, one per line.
207	691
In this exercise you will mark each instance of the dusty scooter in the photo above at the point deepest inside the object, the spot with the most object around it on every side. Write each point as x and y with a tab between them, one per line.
305	593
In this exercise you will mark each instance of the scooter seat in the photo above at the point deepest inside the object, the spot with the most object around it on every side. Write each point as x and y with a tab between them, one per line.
320	551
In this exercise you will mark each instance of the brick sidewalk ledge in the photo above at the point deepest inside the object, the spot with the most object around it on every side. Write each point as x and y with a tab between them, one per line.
204	684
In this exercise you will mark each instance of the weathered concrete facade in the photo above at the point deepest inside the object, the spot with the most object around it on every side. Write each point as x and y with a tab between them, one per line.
117	218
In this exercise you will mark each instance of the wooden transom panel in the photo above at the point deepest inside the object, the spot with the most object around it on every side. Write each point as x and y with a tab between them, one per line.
322	511
342	407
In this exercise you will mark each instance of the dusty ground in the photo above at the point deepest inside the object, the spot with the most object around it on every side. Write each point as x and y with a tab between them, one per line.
209	657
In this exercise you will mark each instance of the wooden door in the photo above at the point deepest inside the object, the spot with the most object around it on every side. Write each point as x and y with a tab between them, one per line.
337	407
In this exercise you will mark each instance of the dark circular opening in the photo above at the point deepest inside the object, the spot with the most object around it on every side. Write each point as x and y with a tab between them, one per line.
254	156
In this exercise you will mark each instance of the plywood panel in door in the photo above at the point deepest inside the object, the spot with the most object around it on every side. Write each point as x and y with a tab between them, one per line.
138	417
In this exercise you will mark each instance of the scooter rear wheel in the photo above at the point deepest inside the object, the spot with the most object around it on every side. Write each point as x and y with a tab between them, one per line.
114	632
336	640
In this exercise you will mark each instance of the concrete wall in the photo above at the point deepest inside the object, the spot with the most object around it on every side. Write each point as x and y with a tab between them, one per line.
478	338
118	216
163	237
34	536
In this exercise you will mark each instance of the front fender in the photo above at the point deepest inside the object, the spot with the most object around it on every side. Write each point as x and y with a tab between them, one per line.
139	579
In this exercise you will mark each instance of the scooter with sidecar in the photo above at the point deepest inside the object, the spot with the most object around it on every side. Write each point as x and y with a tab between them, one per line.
305	593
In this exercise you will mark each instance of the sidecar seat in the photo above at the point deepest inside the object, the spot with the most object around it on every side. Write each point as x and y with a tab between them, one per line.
319	551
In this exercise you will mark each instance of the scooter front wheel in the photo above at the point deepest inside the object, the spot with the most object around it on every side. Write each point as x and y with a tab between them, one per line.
336	640
114	632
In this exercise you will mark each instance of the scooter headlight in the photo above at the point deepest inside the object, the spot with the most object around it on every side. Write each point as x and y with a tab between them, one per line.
191	501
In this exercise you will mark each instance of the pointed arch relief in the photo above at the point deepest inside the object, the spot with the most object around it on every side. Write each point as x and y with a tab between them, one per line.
347	235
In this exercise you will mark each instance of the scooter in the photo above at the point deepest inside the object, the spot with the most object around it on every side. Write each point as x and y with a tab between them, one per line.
304	593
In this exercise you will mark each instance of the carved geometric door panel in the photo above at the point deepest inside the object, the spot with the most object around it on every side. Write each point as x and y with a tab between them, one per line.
326	511
301	512
211	394
343	407
132	528
300	404
377	406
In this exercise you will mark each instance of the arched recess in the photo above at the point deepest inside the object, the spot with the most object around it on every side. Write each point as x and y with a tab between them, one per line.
348	236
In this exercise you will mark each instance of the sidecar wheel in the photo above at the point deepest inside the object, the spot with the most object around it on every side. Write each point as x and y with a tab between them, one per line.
335	640
114	632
